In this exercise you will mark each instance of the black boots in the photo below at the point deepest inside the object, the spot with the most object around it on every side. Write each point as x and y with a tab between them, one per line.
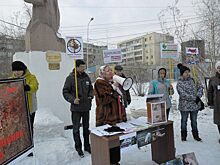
80	152
196	135
88	149
183	135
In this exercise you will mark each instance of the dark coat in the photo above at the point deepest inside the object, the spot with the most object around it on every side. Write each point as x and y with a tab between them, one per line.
85	92
107	107
214	96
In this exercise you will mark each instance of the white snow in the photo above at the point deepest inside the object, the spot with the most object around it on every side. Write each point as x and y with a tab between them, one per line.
54	146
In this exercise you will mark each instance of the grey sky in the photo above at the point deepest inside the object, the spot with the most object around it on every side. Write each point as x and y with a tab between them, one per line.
114	20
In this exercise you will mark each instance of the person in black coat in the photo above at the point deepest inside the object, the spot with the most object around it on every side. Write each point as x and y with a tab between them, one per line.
81	106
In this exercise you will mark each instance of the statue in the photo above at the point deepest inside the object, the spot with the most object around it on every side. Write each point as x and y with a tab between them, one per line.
41	33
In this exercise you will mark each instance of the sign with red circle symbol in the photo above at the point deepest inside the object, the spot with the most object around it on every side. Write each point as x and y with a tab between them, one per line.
74	47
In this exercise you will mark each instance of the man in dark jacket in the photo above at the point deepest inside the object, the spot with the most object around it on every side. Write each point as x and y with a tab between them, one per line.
81	105
214	95
126	94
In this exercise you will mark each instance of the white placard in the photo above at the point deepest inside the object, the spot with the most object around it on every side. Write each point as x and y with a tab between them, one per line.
168	50
74	47
112	56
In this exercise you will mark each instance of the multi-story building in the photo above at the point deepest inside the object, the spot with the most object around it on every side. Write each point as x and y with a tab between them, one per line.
95	54
8	46
144	49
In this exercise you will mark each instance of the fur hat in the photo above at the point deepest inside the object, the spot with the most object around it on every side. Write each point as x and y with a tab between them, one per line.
118	67
182	68
217	64
18	65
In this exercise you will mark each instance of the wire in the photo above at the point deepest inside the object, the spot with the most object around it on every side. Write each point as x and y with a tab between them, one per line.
132	22
12	24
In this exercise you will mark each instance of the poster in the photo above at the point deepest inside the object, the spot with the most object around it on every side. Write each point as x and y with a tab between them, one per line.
74	47
169	50
112	56
176	161
144	137
15	131
128	141
158	112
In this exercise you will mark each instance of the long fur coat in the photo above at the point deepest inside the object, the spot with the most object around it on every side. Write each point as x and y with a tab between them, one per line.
109	108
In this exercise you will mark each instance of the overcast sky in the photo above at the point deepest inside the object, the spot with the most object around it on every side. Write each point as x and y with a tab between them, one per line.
114	20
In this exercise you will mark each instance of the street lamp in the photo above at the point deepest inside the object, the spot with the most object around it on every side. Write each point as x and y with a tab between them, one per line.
87	49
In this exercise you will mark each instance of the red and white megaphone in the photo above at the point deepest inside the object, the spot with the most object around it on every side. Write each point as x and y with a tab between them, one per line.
126	83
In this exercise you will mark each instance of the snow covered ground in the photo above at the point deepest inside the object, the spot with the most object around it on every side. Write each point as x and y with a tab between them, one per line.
54	146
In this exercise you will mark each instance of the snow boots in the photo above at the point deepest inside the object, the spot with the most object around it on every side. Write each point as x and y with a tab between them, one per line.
80	152
196	135
183	135
88	149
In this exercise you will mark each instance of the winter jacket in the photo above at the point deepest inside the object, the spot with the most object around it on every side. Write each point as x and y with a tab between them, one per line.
160	86
214	96
107	104
188	92
85	91
31	80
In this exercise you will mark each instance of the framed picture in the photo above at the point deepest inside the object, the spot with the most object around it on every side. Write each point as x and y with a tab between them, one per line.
15	132
156	112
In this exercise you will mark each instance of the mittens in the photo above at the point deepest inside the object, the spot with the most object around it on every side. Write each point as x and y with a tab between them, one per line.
114	129
197	99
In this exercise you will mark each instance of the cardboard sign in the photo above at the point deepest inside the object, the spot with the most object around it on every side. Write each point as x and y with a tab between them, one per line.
15	131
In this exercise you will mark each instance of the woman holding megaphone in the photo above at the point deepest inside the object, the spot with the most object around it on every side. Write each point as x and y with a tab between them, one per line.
109	107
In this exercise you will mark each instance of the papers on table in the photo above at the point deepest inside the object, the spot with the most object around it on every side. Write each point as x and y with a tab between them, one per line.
130	126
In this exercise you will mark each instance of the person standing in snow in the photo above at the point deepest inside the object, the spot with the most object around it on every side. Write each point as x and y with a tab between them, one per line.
81	106
162	86
126	94
109	107
214	95
189	95
19	70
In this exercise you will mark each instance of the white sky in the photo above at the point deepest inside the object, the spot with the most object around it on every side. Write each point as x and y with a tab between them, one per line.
112	18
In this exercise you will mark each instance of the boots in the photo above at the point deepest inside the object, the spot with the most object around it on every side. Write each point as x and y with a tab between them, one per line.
88	149
196	135
183	135
80	152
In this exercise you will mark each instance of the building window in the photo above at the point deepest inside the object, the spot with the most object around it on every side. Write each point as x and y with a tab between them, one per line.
151	57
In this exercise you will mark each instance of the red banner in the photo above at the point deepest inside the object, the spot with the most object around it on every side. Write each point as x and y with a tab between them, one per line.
15	131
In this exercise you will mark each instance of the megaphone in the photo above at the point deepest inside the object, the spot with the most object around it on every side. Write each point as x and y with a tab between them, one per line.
126	83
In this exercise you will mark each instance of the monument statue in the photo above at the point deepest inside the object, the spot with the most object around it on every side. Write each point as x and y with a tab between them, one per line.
41	33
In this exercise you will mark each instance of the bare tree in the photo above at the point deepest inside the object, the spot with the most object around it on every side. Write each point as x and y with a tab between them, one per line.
140	76
209	12
178	28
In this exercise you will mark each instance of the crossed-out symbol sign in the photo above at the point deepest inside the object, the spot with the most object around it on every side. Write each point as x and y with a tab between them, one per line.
74	45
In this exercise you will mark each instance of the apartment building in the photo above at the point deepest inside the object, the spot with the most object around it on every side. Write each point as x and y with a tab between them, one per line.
144	49
95	54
